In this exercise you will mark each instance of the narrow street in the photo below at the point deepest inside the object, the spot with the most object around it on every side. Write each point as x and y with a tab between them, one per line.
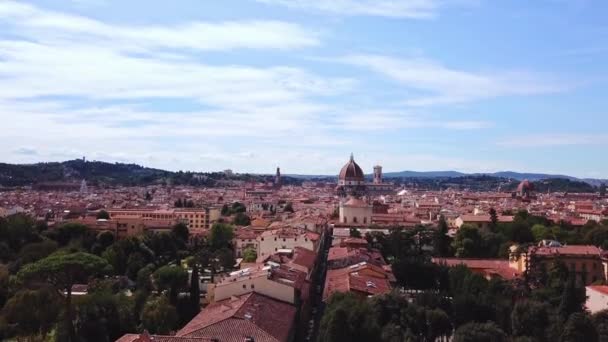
319	283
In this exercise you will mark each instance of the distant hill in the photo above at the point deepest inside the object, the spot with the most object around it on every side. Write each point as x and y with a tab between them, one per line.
423	174
102	173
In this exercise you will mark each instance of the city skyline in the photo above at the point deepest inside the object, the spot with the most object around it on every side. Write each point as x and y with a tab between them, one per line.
466	85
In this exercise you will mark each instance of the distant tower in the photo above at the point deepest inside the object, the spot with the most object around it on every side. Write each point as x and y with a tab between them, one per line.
277	178
377	174
83	187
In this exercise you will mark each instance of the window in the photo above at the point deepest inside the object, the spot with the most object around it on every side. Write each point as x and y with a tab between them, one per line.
365	220
252	286
283	239
244	286
262	239
275	239
355	219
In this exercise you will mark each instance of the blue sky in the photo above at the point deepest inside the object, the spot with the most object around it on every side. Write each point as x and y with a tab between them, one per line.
467	85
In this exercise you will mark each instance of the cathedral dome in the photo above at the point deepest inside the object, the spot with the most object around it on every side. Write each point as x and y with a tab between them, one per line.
525	186
351	172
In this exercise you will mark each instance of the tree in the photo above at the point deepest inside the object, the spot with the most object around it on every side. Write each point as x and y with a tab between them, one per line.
181	232
441	241
467	242
33	311
603	190
479	332
493	219
241	219
172	279
102	316
62	271
4	281
438	324
531	318
355	233
540	232
225	210
600	321
347	318
579	327
195	292
159	316
68	232
225	257
250	255
221	236
103	215
288	208
572	300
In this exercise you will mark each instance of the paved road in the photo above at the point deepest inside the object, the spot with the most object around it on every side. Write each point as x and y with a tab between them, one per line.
319	283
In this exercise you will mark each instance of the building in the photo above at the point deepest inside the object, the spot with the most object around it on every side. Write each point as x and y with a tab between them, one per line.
488	268
250	317
355	212
583	261
362	279
275	282
525	191
277	178
480	221
597	298
194	218
377	174
351	180
271	241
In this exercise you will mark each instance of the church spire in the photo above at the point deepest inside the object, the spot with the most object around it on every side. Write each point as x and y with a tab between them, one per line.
352	157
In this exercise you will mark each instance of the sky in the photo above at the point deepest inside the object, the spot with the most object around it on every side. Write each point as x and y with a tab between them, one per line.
249	85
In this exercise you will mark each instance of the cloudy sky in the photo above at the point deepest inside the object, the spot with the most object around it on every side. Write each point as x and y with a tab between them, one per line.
468	85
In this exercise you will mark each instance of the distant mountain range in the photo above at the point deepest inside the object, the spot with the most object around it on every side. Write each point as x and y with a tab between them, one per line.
453	174
98	172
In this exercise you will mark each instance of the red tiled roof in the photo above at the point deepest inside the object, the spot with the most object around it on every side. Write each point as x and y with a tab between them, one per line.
492	267
304	257
160	338
603	289
251	315
350	279
568	250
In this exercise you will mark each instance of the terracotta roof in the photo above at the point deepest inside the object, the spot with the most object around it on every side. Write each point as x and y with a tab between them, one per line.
351	279
304	257
250	315
569	250
351	171
603	289
492	267
356	202
159	338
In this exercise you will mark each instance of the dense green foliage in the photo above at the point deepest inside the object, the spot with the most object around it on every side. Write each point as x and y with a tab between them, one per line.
539	307
101	173
39	268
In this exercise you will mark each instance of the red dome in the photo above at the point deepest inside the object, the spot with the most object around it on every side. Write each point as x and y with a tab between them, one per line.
525	185
351	171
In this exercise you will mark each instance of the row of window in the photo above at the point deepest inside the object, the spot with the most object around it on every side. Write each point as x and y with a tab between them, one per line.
355	220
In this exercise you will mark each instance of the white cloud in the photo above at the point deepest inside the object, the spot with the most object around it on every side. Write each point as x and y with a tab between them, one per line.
551	140
386	120
31	21
446	85
418	9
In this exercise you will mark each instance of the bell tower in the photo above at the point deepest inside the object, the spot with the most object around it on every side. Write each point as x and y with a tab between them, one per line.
377	174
